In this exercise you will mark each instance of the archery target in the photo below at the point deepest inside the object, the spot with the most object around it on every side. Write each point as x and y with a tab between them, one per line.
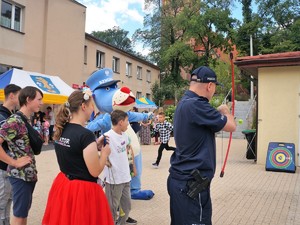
281	157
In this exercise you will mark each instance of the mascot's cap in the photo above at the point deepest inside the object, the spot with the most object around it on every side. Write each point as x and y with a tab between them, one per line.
101	78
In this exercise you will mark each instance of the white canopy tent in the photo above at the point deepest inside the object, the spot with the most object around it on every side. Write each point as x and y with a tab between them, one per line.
55	90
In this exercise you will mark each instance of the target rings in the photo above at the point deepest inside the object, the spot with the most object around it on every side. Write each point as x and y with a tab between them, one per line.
280	158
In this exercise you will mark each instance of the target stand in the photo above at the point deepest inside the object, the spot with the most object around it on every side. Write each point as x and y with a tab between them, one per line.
281	157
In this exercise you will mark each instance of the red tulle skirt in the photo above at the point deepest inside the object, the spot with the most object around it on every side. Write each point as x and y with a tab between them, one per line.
76	202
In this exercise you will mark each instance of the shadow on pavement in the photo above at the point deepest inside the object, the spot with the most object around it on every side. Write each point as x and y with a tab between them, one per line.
48	147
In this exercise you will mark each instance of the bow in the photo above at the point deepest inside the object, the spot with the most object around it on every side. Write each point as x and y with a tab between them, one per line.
232	112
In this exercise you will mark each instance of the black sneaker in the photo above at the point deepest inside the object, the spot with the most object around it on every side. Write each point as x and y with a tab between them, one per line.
155	165
131	221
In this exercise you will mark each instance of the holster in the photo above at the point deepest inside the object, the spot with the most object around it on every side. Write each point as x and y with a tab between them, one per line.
197	185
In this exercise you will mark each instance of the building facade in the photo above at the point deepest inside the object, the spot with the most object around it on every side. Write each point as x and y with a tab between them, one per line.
133	72
48	36
278	100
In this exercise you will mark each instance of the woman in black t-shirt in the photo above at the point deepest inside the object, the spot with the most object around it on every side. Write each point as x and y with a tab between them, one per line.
75	197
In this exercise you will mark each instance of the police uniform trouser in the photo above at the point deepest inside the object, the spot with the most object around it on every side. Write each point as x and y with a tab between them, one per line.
185	210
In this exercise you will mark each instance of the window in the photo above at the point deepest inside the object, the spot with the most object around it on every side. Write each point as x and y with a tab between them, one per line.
4	68
85	55
148	76
116	65
11	15
148	96
128	69
139	73
138	95
100	59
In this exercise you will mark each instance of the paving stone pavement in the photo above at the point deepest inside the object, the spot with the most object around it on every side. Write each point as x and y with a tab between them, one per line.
246	195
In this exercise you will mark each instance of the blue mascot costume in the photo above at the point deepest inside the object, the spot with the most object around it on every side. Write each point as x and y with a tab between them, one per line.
108	97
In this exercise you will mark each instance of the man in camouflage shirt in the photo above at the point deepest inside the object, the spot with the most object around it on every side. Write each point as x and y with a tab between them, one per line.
21	171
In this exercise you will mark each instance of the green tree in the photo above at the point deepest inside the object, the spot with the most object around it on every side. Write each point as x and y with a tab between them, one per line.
212	28
274	28
116	37
280	24
249	27
247	10
119	39
169	112
171	29
164	34
150	35
157	94
278	13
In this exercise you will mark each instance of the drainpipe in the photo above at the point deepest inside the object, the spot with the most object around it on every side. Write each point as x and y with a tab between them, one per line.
251	54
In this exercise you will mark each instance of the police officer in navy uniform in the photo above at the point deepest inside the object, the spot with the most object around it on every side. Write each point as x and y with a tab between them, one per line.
193	163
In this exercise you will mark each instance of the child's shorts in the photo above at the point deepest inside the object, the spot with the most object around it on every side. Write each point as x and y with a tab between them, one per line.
46	132
22	196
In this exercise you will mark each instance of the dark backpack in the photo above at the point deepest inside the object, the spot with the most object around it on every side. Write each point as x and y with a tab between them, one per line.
36	141
4	114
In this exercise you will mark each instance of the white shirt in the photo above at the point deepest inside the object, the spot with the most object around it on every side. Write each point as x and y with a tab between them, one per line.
119	172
